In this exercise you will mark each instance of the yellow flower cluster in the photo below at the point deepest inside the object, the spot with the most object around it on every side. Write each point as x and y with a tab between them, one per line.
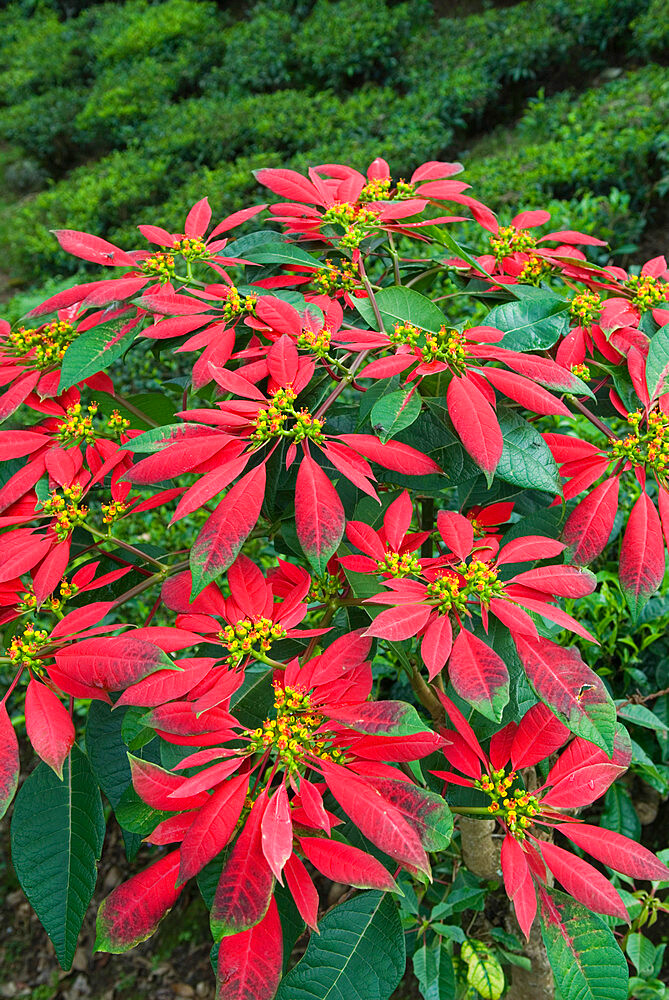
46	345
296	733
247	637
508	240
515	810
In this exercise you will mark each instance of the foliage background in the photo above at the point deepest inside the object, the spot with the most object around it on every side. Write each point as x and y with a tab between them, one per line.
115	114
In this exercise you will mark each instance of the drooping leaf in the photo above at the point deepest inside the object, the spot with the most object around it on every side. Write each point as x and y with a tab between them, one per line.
641	555
583	881
479	675
9	760
585	959
570	688
616	851
249	963
319	514
223	534
433	968
133	910
484	973
57	832
358	955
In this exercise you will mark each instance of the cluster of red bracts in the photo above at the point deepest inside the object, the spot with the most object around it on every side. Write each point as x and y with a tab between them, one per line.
263	793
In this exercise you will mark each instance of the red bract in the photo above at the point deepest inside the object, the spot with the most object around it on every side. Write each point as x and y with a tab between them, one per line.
389	550
468	581
580	775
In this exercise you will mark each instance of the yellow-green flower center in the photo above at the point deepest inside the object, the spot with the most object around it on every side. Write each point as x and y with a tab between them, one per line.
516	809
296	733
649	447
647	292
43	347
249	637
281	419
510	240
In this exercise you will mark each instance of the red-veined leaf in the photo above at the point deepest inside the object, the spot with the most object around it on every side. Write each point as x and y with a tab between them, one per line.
132	912
223	534
479	675
319	514
539	734
400	623
249	964
198	219
245	886
9	760
92	248
213	826
641	555
111	663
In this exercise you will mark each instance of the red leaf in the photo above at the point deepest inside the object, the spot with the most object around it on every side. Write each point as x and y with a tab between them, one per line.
49	726
282	360
245	886
589	526
112	663
568	686
319	514
425	811
524	391
528	548
213	826
641	555
288	184
21	550
346	864
250	963
374	816
277	831
312	803
583	882
9	760
198	220
132	912
176	459
583	786
564	581
437	644
208	486
618	852
303	890
154	784
539	734
457	531
392	455
514	865
164	685
17	393
400	623
475	423
479	675
219	541
92	248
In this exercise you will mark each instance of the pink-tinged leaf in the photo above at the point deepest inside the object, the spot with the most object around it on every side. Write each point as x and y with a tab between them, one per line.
570	689
277	831
475	423
479	675
154	785
583	786
249	964
198	220
589	526
166	685
437	644
288	184
133	910
526	392
111	663
400	623
425	811
245	886
374	816
92	248
539	734
457	531
391	455
319	514
563	581
213	826
583	882
348	865
9	760
49	726
618	852
303	891
528	548
641	555
223	534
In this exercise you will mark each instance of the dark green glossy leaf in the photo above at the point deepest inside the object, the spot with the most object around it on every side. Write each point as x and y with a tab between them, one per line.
93	351
657	363
526	460
533	323
433	969
393	413
402	305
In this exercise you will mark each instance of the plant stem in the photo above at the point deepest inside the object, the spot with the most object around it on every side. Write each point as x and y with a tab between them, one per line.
594	420
133	409
125	545
149	582
426	697
396	259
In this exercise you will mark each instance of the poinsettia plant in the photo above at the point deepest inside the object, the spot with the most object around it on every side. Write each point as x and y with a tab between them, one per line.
383	462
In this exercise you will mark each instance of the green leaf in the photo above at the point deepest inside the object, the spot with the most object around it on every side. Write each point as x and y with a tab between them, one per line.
526	459
282	253
433	969
158	438
253	700
641	953
156	405
641	716
657	362
57	833
402	305
585	959
93	351
484	972
395	412
534	323
619	813
358	955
